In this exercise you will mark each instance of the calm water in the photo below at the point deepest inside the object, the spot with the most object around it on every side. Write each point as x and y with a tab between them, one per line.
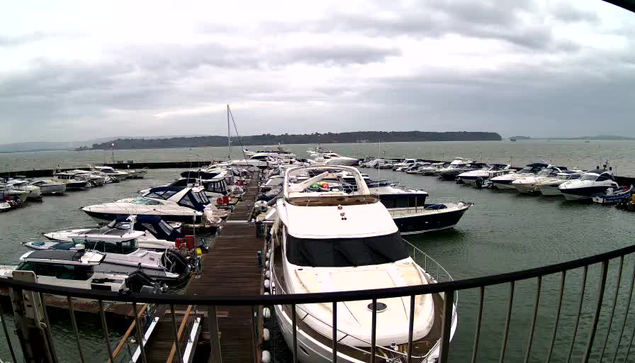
502	232
571	153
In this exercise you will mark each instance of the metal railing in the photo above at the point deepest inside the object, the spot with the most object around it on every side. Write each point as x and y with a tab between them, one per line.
602	305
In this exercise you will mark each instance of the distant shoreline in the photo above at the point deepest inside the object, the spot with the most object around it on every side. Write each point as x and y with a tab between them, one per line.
293	139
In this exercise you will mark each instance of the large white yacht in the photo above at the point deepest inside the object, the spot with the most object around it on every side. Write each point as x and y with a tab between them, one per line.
505	181
590	183
172	204
354	246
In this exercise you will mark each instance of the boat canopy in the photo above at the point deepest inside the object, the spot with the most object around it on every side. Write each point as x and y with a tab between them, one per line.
154	224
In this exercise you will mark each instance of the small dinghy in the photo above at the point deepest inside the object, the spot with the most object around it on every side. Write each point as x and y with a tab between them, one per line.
612	196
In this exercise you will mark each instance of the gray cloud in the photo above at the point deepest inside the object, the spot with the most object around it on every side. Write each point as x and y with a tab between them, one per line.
549	86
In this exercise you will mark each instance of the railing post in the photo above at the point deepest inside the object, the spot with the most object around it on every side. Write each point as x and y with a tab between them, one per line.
479	319
617	293
628	306
140	333
533	320
214	339
75	329
507	321
373	332
175	333
334	347
446	328
104	326
577	320
32	338
598	308
294	325
411	323
555	325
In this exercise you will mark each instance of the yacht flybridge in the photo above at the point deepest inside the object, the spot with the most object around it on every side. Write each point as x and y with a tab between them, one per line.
329	239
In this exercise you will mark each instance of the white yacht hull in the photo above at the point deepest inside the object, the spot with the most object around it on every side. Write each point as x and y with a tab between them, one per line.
53	189
525	188
549	190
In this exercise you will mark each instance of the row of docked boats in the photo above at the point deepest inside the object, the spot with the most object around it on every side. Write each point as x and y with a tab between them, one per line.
139	244
538	178
15	192
330	231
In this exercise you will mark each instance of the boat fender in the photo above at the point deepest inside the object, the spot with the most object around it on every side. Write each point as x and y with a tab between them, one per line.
267	264
267	284
266	313
266	293
266	335
266	356
267	274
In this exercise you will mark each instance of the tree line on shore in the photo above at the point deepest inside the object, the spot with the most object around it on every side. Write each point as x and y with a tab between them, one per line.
314	138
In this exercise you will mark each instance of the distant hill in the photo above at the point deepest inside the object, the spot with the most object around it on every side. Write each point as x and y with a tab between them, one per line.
327	138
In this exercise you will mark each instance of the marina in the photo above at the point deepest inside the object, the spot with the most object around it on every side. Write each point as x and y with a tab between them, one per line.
235	262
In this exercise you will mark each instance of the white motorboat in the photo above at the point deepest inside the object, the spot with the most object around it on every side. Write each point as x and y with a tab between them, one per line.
172	204
456	167
403	165
416	168
214	181
529	184
92	178
481	175
115	175
590	183
79	269
50	187
410	212
356	245
71	182
124	256
432	169
158	235
505	181
32	192
549	186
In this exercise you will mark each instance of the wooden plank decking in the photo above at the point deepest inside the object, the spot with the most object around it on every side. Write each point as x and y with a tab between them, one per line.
230	268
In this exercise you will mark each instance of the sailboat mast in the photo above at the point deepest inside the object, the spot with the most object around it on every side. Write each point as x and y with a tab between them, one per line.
229	140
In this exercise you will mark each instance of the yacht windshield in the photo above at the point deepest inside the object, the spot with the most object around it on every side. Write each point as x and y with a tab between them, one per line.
346	252
146	201
588	177
545	172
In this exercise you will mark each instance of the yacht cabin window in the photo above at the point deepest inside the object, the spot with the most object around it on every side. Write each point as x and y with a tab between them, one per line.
124	247
345	252
589	177
65	272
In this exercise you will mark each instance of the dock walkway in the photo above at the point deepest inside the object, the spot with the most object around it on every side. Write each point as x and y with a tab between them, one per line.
230	268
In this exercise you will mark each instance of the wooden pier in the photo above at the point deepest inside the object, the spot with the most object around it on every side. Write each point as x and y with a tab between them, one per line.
230	268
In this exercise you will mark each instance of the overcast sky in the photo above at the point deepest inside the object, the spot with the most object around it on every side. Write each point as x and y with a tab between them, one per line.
83	70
